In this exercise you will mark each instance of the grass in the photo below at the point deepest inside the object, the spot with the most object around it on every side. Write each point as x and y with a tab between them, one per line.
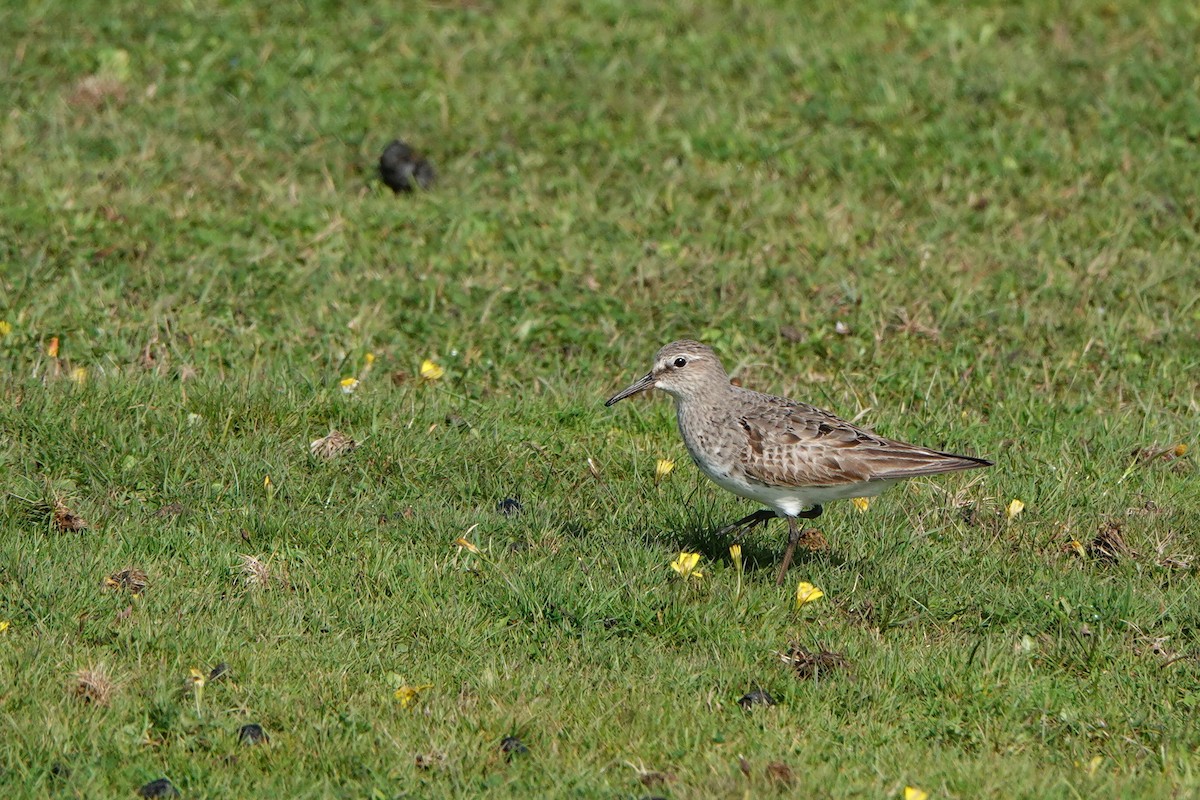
998	203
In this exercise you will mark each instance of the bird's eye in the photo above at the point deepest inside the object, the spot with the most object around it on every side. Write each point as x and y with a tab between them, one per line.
680	362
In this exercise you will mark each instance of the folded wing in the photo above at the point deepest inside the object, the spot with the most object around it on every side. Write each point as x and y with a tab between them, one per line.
795	444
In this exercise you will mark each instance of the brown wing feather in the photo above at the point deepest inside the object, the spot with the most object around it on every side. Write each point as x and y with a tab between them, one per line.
795	444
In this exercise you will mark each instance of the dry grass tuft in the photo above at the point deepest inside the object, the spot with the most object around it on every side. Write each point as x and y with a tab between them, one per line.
255	573
96	91
1108	544
333	445
430	760
67	520
130	579
93	685
813	540
780	774
810	665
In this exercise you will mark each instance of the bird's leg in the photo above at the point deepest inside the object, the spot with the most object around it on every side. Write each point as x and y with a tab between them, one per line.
748	522
812	513
794	536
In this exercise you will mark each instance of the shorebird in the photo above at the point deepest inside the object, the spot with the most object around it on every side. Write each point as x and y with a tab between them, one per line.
790	456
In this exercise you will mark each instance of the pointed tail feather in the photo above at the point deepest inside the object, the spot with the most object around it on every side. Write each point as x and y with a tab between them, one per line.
915	463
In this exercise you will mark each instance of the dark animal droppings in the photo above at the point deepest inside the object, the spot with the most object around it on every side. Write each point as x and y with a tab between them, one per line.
512	746
159	788
756	698
403	169
509	506
252	734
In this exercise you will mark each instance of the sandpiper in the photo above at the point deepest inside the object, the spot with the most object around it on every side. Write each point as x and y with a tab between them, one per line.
788	455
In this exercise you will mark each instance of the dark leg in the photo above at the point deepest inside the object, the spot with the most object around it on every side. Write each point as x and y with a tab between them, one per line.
794	535
748	522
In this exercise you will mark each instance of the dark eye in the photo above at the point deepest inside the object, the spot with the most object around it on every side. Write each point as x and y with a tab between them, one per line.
680	362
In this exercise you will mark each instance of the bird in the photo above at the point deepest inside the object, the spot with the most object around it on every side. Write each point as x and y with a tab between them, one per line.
790	456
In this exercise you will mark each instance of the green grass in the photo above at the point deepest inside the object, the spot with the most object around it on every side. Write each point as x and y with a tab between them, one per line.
999	202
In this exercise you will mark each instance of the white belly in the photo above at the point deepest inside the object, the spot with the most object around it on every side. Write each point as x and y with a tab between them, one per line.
788	501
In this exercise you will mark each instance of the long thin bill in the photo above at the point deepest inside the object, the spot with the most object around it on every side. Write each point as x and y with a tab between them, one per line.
641	385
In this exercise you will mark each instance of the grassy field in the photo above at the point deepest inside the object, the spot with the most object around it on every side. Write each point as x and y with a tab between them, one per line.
975	228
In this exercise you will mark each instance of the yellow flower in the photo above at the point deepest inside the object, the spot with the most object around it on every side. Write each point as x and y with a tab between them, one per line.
431	370
806	593
685	565
79	375
349	385
195	682
4	625
862	503
913	793
663	468
407	695
1015	507
267	482
52	348
5	327
735	552
1078	548
1180	449
369	358
462	542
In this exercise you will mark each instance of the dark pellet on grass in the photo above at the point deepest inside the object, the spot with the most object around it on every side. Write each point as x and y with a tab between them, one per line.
252	734
512	746
509	506
756	698
403	169
158	788
219	671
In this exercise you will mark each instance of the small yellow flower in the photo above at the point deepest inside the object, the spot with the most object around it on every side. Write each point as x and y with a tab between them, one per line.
913	793
349	385
685	565
52	348
735	552
431	370
1077	547
267	482
5	327
1015	507
1180	449
662	468
79	375
4	625
862	503
369	358
806	593
407	695
195	682
463	543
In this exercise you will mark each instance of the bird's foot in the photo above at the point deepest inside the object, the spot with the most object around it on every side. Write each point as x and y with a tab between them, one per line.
747	523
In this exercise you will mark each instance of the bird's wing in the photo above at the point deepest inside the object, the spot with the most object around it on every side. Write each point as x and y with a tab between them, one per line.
794	444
